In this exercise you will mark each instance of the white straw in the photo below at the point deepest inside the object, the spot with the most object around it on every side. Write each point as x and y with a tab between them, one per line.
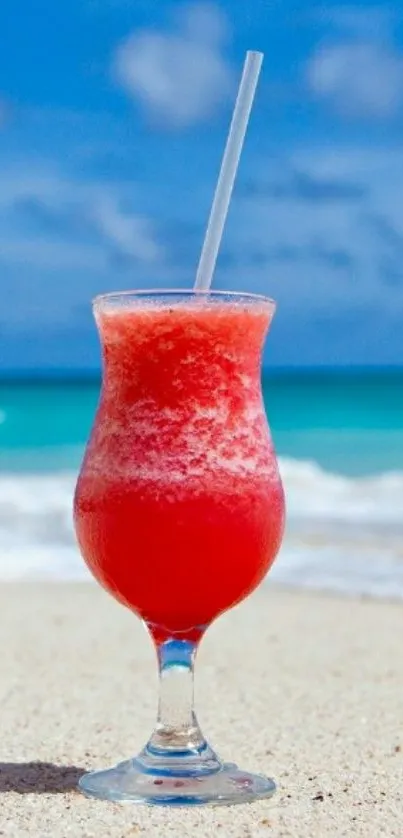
229	166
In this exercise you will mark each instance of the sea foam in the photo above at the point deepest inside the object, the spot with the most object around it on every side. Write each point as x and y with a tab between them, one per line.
342	533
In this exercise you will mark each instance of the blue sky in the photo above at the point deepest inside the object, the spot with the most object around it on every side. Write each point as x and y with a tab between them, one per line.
113	118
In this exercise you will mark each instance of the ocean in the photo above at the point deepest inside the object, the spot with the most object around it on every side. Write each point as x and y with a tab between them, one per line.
339	438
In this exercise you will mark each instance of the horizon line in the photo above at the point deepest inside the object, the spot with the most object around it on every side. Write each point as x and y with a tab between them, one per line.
39	375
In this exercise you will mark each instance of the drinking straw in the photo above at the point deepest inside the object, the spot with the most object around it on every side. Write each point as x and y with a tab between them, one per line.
229	166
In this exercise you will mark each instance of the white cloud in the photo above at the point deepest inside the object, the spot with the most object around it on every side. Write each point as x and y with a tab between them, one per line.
358	79
180	76
326	254
204	23
36	180
89	220
379	170
132	234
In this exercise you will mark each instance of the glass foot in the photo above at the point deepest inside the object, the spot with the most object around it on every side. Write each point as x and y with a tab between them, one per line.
131	782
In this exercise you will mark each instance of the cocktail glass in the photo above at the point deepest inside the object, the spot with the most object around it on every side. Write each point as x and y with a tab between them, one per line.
179	509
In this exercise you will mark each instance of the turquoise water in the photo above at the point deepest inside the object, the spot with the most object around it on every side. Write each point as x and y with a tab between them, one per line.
350	424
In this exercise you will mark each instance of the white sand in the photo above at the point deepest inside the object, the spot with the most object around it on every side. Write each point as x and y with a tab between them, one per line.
306	688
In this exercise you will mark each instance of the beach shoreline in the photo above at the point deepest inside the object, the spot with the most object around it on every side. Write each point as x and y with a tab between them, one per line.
304	686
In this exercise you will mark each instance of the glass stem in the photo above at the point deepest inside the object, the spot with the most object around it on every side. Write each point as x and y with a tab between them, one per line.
177	747
177	729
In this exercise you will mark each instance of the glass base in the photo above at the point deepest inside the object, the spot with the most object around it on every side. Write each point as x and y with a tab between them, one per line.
132	782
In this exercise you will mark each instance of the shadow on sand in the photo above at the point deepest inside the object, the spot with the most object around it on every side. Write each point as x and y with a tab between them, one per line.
39	777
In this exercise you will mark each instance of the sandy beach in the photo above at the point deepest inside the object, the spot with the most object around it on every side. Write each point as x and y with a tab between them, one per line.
306	688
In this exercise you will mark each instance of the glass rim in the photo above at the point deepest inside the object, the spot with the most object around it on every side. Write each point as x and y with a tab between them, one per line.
184	292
